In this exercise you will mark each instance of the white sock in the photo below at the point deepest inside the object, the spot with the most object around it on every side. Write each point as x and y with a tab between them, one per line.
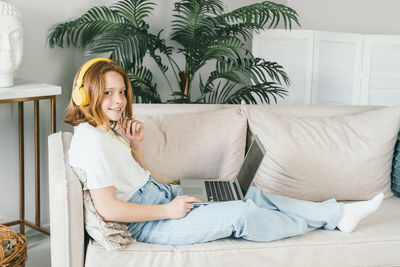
354	212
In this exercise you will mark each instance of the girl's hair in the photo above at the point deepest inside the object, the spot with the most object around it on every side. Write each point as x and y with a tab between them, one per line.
94	83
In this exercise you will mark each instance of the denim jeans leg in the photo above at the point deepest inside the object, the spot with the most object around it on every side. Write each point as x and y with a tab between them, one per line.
326	214
171	190
263	218
202	224
135	227
152	193
219	220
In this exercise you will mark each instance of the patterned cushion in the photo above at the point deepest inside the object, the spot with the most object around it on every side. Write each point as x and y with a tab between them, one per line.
396	168
112	235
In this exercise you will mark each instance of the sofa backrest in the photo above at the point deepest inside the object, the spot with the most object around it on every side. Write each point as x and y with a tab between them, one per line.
300	111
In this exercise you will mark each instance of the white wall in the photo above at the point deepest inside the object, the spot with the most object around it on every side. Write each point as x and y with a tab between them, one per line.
357	16
55	66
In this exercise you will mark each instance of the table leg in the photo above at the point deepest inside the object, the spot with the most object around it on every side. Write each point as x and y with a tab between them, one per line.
37	162
53	114
21	221
21	167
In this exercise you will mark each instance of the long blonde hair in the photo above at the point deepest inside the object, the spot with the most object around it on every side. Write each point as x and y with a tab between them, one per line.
94	83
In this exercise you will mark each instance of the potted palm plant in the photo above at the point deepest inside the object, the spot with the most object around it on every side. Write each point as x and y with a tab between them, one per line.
202	31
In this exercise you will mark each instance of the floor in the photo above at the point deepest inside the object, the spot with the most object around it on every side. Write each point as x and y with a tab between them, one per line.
38	251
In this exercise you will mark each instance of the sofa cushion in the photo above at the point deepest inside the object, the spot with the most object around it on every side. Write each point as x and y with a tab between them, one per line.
375	242
396	168
345	157
198	145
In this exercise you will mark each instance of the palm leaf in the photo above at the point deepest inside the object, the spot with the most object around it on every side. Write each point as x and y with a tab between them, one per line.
81	31
194	26
273	69
190	27
143	89
225	69
120	31
265	14
243	29
134	10
219	92
210	7
231	48
127	46
243	70
264	91
157	47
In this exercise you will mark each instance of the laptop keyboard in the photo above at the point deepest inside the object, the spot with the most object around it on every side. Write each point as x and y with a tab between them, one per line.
219	191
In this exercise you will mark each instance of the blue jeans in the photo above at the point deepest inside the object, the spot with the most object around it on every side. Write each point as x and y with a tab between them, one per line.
261	217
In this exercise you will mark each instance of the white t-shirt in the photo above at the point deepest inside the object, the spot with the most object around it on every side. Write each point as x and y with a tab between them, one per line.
106	160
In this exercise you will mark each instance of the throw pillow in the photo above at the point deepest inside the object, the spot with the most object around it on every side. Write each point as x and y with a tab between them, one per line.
346	157
202	145
111	235
396	169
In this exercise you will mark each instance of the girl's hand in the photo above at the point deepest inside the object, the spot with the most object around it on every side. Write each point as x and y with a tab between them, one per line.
132	129
180	206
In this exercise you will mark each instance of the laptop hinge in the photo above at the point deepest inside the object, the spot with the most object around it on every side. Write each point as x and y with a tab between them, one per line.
237	190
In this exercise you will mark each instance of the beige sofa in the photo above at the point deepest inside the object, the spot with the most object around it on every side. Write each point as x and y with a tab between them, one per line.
375	242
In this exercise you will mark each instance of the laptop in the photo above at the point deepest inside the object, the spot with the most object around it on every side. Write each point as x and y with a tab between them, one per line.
211	190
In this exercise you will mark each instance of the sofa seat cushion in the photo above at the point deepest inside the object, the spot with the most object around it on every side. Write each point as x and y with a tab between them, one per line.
375	242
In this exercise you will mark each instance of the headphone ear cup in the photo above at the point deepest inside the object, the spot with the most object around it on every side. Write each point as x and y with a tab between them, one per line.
80	96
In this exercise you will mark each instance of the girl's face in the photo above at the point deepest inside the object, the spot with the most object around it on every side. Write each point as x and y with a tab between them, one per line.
113	102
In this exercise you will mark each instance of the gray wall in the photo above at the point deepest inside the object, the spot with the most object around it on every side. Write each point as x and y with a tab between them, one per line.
355	16
54	66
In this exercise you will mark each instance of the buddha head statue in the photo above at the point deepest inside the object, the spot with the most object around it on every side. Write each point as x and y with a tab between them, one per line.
10	43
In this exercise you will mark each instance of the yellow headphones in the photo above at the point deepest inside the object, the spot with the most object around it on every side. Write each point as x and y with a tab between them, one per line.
80	97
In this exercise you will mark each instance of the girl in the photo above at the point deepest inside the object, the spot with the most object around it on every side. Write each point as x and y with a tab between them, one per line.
123	191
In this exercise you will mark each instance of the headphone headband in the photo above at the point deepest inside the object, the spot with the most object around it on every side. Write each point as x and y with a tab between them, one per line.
85	67
80	95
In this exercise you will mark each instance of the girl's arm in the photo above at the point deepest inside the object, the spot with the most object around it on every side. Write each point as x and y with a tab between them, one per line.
112	209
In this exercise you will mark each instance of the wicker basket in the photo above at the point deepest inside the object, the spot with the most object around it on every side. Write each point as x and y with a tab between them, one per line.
12	248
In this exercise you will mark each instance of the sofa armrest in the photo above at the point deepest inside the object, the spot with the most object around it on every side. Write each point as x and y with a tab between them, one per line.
66	206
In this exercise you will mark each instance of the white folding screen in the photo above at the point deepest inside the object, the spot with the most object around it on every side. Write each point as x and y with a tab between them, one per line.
331	68
294	52
381	74
336	68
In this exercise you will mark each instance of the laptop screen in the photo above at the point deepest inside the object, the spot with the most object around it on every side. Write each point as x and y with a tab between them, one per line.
253	159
